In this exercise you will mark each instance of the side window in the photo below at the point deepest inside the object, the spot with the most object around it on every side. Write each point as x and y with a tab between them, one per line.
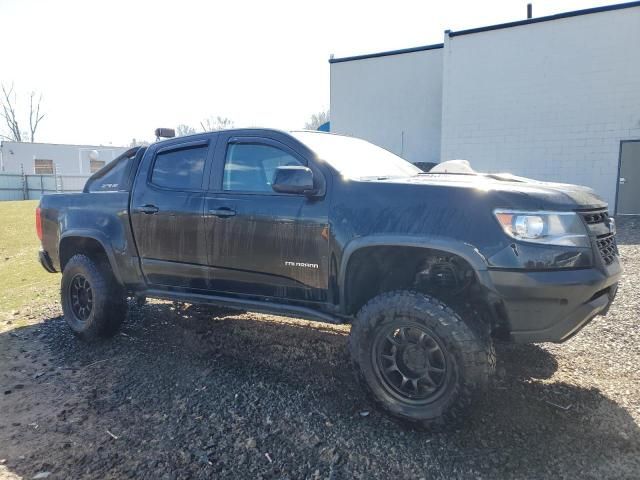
249	167
180	169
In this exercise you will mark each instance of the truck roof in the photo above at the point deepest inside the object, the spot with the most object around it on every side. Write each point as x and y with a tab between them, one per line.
251	130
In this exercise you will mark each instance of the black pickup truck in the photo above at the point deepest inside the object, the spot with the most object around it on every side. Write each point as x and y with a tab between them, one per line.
428	268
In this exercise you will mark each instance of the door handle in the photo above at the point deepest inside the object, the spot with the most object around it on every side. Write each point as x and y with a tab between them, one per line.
147	209
223	212
623	180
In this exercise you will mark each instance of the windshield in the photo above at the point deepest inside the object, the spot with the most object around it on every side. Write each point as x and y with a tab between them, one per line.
355	158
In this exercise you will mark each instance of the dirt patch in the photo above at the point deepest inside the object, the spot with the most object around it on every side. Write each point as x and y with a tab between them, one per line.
200	393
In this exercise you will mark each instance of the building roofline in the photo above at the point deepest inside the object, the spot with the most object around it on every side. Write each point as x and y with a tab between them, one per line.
548	18
5	142
387	53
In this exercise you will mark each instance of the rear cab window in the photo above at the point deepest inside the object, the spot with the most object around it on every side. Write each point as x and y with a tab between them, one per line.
117	175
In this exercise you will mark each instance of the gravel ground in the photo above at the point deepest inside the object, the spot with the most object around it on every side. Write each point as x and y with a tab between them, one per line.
198	393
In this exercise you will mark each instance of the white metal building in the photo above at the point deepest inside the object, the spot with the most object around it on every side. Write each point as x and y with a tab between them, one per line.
49	158
553	98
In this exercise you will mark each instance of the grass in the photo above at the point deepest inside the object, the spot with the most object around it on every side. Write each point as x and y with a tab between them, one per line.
24	284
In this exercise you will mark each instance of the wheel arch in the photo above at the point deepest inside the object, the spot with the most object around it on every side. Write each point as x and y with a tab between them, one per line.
88	242
440	244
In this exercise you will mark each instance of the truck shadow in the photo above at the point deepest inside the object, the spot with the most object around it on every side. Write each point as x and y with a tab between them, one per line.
183	389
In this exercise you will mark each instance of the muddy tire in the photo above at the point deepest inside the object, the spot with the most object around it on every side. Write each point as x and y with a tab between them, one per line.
93	303
418	360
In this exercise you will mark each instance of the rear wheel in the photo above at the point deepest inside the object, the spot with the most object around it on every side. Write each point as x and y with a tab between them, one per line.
418	359
93	303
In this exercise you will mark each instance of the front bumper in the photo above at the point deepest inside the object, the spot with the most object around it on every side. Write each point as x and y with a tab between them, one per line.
46	262
552	306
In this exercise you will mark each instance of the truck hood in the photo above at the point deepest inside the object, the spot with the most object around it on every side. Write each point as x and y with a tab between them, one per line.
513	190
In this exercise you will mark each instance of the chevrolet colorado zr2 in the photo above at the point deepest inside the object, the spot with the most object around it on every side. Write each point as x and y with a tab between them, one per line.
428	268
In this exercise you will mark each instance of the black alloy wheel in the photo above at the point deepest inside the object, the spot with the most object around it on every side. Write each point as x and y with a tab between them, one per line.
81	297
93	302
411	362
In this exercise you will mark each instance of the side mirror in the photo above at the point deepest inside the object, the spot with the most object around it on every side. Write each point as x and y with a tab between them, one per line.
293	179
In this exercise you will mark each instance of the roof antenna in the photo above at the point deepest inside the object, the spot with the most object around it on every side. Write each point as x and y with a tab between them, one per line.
529	11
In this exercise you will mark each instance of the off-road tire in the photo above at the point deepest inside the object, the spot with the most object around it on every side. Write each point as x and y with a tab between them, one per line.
467	356
108	302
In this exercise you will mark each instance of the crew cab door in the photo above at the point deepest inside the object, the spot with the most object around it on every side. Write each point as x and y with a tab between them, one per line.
167	212
260	242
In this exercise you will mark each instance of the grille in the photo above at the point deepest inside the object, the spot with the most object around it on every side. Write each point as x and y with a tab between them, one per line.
608	248
595	217
606	241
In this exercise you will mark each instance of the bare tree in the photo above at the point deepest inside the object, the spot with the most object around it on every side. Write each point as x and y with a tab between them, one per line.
316	120
34	115
212	124
182	130
10	116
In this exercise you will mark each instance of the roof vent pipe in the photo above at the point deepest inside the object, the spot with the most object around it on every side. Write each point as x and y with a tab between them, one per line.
529	10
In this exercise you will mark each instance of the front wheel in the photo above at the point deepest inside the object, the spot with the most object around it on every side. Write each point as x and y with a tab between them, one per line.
418	359
93	303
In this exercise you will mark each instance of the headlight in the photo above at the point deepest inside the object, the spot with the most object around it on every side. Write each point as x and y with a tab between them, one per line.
550	228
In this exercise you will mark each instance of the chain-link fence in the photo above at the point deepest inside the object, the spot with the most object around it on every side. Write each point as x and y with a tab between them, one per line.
18	186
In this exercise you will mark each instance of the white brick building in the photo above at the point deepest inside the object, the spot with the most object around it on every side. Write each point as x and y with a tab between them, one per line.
50	158
554	98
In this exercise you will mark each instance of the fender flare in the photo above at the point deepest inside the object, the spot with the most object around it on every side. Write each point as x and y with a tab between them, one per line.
455	247
99	237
